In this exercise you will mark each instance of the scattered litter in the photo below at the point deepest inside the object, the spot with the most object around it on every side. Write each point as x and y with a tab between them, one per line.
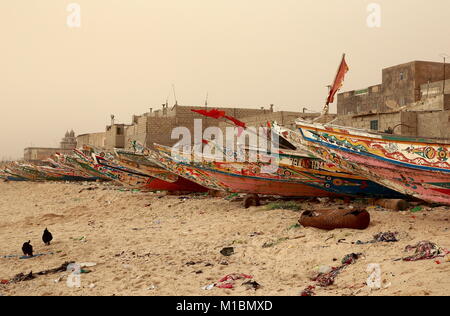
295	226
327	279
425	250
416	209
273	243
227	251
92	285
256	234
252	285
309	291
4	282
82	239
151	287
381	237
280	240
37	255
232	196
324	269
228	281
22	277
209	287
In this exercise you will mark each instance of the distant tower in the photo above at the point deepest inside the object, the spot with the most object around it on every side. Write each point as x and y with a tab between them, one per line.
69	141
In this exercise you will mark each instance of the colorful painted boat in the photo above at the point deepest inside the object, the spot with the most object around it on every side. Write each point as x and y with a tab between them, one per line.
5	174
181	167
292	175
139	163
242	177
83	163
136	180
413	166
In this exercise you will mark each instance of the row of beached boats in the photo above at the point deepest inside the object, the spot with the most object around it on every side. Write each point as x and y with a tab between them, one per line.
310	159
314	160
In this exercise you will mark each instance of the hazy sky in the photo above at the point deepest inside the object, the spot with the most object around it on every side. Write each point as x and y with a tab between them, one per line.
126	55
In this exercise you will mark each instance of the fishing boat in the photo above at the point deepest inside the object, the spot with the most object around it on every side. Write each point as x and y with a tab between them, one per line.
287	172
247	177
7	175
136	180
417	167
182	167
139	163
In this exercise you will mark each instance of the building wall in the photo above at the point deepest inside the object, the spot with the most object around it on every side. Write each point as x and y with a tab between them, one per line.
401	85
403	123
434	124
156	126
361	101
115	136
39	153
435	88
93	139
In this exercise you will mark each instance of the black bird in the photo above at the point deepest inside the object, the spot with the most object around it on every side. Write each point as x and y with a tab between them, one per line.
47	237
27	249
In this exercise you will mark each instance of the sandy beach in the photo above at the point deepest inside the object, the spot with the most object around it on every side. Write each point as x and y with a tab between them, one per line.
153	244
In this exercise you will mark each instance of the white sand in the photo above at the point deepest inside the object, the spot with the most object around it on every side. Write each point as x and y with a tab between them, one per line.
143	250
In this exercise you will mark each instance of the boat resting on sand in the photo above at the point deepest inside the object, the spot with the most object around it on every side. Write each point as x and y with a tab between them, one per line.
417	167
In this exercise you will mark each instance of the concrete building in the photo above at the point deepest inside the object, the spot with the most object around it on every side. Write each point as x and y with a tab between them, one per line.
156	126
413	100
68	143
401	85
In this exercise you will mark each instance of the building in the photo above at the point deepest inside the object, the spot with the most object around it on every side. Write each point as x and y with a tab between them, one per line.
412	100
401	85
157	126
67	144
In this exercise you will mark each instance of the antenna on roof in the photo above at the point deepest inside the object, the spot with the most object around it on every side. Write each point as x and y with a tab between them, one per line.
206	100
112	119
174	94
444	56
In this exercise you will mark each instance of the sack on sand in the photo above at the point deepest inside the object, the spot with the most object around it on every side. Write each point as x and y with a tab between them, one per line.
333	219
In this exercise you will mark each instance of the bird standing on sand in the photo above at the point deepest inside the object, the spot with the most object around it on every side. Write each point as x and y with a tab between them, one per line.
27	249
47	237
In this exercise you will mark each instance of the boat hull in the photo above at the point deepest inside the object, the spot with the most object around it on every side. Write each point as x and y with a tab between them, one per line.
412	167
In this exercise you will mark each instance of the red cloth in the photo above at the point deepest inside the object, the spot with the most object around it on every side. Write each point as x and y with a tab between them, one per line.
338	81
212	113
236	121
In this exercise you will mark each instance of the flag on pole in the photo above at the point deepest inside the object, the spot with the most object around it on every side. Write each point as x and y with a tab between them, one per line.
212	113
236	121
338	81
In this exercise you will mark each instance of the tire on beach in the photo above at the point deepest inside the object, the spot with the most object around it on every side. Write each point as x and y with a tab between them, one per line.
334	219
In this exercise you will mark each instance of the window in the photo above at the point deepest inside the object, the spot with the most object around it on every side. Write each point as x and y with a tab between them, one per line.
119	131
402	76
374	125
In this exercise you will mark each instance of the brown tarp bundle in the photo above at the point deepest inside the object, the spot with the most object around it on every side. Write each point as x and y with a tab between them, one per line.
333	219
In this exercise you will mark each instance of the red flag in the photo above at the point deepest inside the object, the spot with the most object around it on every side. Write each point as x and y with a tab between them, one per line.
212	113
338	81
236	121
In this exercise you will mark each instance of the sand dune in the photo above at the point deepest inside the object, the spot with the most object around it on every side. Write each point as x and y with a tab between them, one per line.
142	243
